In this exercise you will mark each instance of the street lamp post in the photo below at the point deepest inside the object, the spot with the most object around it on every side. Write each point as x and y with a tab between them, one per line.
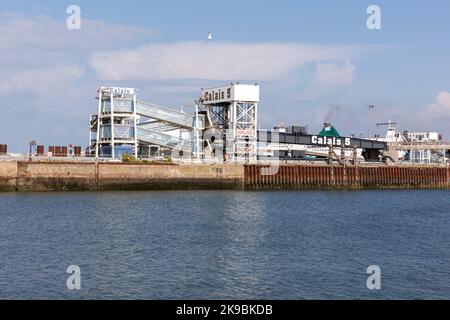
32	144
371	108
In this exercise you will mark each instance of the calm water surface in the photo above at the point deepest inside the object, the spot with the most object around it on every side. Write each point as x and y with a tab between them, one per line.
225	244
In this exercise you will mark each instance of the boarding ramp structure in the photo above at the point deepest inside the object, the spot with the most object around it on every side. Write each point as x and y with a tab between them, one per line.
168	128
125	125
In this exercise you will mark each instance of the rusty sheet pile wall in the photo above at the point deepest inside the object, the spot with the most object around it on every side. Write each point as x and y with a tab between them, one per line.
333	177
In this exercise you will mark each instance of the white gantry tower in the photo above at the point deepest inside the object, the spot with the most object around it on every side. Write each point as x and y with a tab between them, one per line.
231	114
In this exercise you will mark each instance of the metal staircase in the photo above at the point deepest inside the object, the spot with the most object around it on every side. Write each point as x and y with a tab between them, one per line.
177	118
164	140
162	120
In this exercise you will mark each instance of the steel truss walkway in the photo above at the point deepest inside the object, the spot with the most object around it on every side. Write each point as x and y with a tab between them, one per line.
177	118
164	140
162	120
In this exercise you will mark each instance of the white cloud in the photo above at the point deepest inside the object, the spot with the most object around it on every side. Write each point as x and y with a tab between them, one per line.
438	110
42	82
329	77
213	61
334	75
39	51
45	82
43	31
36	42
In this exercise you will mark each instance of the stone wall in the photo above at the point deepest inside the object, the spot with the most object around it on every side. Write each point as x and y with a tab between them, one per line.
56	176
144	177
77	176
8	175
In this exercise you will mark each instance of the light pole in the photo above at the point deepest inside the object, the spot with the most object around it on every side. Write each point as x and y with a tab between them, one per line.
31	144
371	108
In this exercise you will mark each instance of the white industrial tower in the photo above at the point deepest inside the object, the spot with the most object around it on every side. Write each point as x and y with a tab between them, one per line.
232	112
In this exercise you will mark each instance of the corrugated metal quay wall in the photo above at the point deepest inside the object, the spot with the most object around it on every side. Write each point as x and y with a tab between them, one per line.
336	177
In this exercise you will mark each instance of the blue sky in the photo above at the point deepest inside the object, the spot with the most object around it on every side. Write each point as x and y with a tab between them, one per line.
315	59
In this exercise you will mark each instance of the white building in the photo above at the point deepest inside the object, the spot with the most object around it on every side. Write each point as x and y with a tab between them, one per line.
423	136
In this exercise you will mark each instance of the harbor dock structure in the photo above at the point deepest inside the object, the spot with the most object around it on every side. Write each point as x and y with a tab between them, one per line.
219	146
223	127
92	176
126	125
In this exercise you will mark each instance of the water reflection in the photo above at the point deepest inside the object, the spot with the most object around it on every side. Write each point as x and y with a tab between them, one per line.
225	244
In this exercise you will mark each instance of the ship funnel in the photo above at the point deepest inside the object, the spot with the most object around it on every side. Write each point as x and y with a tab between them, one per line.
329	131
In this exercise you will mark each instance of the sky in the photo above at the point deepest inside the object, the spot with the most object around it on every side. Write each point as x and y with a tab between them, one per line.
314	61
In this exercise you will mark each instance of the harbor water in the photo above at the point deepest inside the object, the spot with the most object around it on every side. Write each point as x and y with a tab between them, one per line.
226	244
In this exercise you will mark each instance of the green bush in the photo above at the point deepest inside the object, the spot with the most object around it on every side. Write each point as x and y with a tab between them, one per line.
168	159
128	158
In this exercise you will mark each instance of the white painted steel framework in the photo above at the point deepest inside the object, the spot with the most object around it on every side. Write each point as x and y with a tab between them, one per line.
114	126
233	112
124	122
245	130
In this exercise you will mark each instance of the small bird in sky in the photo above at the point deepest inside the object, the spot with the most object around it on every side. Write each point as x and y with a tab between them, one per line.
210	36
